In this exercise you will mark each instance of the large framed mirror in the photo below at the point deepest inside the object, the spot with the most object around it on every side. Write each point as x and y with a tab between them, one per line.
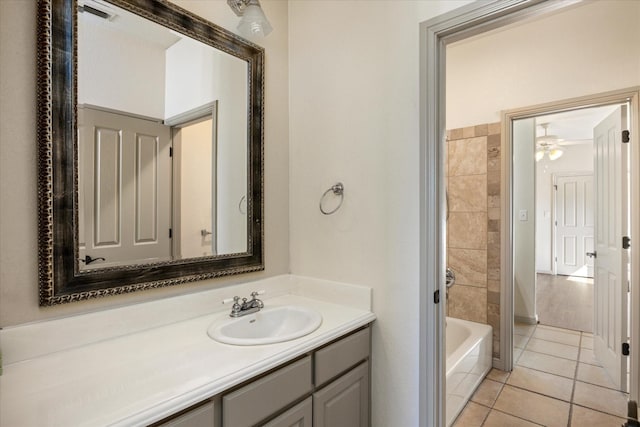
150	133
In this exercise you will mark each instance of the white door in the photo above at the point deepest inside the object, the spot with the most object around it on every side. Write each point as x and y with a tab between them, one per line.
574	225
611	262
124	189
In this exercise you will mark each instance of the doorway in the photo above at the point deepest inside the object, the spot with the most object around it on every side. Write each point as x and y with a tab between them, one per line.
436	34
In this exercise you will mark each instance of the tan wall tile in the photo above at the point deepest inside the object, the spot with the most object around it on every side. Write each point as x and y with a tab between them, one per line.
468	156
467	230
493	299
469	132
494	128
494	213
468	303
473	155
481	130
469	265
455	134
493	249
493	285
494	141
467	193
493	183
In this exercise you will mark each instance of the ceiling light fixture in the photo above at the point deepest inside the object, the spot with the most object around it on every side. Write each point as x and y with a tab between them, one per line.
546	144
253	21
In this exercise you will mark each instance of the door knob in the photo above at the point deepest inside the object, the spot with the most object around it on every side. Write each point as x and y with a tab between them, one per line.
592	254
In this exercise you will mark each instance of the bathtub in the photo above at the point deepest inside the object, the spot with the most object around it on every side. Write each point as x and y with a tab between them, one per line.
469	358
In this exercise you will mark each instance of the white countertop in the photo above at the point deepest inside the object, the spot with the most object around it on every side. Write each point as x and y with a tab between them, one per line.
141	377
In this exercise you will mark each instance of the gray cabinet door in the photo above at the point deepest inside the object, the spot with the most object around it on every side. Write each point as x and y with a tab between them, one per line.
202	416
298	416
345	401
267	396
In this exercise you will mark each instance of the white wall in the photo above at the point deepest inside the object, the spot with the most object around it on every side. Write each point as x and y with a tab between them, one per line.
576	158
107	59
354	118
524	274
590	48
18	167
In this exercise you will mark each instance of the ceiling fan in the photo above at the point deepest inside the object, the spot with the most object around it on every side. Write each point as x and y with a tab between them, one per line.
547	144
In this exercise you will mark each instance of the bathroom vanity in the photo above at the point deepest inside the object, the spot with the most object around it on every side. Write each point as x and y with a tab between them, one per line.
155	364
326	387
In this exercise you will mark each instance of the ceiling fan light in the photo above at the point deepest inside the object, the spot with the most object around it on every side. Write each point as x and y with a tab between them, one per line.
555	154
539	155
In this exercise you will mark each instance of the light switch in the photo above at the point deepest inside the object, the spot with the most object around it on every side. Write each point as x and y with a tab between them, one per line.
524	215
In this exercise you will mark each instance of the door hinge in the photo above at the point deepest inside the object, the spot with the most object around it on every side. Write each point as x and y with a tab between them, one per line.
626	242
170	151
171	233
625	348
555	187
625	136
436	297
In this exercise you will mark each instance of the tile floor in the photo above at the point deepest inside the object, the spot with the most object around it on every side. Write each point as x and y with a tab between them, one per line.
556	381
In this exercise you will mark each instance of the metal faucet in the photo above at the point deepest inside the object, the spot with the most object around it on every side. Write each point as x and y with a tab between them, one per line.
239	309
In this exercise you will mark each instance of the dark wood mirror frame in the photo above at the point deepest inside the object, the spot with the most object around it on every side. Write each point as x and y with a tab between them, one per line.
60	279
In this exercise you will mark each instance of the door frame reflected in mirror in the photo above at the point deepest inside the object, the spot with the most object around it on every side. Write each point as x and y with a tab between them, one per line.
60	278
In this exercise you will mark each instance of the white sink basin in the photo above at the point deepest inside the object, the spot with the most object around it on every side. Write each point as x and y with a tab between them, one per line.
268	326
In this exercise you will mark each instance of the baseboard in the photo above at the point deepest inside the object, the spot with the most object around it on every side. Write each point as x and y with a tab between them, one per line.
526	320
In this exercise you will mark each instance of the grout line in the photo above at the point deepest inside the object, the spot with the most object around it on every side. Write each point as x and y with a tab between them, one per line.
516	416
538	392
573	389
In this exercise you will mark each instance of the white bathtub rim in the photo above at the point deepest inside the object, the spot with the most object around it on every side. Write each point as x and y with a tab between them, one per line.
482	331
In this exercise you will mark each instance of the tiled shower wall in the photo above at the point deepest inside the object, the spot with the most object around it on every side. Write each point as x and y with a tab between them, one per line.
473	227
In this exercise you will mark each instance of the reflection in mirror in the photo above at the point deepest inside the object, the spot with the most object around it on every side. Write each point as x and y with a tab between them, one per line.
150	154
162	148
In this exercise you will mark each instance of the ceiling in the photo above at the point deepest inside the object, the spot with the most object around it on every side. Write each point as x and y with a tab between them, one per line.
574	127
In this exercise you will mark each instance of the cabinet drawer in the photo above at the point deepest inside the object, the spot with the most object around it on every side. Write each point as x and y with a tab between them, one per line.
256	401
341	355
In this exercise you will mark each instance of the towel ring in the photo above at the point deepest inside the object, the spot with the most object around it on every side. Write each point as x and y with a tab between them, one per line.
338	190
242	211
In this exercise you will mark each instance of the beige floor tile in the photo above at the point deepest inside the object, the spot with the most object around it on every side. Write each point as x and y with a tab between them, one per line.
588	356
541	382
587	342
581	417
517	352
500	419
520	341
473	415
547	363
533	407
594	375
601	399
553	348
498	375
556	329
523	329
487	392
556	335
